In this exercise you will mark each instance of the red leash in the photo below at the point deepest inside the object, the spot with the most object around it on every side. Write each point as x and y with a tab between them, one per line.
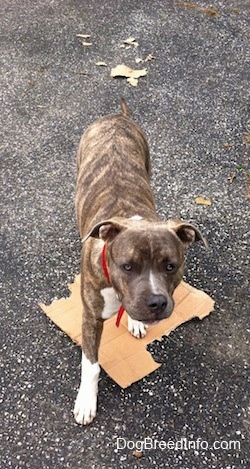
106	273
119	316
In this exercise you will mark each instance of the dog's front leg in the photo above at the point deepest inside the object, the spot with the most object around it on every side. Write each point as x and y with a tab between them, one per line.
136	328
86	401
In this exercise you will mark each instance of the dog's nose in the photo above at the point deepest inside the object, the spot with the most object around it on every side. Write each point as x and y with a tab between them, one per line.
157	303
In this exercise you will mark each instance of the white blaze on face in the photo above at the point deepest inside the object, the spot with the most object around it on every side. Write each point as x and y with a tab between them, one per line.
153	283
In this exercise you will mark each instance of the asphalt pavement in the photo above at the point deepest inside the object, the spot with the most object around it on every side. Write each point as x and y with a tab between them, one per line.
193	107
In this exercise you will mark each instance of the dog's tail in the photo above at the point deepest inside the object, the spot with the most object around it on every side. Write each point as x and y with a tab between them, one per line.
125	109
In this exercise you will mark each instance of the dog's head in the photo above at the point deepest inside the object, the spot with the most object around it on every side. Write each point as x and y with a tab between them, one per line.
146	262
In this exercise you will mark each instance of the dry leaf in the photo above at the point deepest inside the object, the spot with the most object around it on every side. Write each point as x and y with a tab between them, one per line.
128	43
86	43
101	64
132	81
149	57
84	36
187	5
246	138
231	178
121	71
124	71
139	73
236	11
130	40
138	454
210	11
248	187
127	72
202	201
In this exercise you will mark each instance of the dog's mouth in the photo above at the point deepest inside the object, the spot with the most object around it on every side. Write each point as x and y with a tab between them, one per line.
150	322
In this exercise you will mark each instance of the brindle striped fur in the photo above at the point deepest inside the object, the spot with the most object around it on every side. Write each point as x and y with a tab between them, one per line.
113	165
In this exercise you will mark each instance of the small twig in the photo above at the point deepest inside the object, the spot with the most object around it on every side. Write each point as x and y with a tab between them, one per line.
82	73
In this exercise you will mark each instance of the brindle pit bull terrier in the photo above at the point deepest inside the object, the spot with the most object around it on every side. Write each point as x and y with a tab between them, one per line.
129	256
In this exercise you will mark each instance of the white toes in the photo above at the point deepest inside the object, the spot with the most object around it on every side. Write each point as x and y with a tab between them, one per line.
85	405
137	328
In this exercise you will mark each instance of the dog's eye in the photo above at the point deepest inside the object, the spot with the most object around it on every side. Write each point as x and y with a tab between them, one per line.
170	267
127	267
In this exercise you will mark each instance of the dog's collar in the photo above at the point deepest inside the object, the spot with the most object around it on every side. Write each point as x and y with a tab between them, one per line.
106	273
104	263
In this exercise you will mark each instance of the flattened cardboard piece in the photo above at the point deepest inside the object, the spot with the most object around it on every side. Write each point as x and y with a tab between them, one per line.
122	356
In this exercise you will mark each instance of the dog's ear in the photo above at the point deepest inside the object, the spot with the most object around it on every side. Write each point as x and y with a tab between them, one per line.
186	232
106	230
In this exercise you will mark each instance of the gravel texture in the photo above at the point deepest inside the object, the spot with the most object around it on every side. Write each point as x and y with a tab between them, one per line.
193	107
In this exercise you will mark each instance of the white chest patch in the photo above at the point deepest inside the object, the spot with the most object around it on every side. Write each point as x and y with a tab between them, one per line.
111	302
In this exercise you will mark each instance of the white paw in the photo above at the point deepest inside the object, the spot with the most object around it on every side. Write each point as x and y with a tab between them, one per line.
137	328
85	405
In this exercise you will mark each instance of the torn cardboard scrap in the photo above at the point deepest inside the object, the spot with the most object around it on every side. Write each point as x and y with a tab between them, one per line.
122	356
